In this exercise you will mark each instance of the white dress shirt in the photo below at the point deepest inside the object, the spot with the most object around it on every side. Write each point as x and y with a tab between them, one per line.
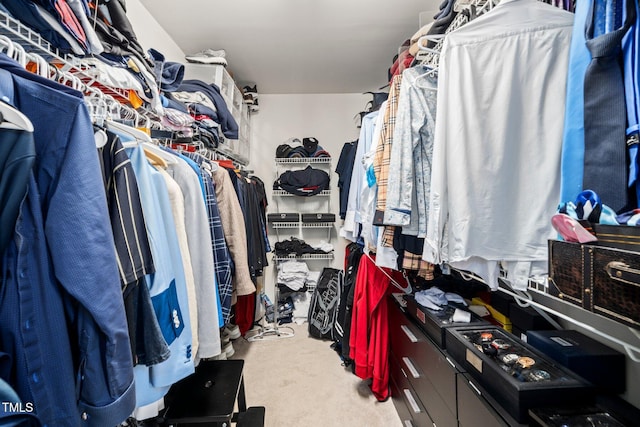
498	137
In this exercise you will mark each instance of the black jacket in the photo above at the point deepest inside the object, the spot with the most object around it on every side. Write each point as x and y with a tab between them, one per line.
305	182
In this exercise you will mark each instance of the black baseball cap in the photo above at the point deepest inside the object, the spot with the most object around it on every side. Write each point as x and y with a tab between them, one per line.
310	144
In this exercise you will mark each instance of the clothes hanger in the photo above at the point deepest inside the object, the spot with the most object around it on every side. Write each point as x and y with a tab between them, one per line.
6	45
407	289
154	158
136	134
152	150
11	118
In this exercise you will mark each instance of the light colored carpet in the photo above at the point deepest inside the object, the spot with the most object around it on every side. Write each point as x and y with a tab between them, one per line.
301	382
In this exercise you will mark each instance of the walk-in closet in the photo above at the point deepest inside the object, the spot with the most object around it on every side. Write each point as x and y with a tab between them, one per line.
315	214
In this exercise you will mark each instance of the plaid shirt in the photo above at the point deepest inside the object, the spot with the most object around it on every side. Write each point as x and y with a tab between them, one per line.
413	261
221	257
382	159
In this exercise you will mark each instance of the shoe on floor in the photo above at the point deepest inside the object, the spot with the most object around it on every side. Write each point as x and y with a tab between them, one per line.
232	331
228	350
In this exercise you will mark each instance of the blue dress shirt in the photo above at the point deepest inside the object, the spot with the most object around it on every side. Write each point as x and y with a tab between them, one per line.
573	134
62	316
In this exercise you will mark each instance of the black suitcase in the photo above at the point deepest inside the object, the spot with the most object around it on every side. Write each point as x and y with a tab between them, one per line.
318	217
600	279
283	217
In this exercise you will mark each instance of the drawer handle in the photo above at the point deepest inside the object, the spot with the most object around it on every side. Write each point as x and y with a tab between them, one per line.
411	368
623	273
473	386
408	423
408	333
453	365
412	401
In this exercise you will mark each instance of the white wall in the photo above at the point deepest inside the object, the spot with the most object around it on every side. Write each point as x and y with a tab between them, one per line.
151	34
327	117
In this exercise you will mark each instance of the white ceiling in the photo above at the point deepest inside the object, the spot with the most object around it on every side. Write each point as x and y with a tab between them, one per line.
296	46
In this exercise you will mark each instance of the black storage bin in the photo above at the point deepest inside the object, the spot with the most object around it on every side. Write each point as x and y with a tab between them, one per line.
318	217
516	375
527	319
502	302
603	280
610	411
283	217
434	323
594	361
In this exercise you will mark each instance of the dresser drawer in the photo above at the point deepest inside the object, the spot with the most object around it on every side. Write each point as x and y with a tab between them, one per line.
405	337
425	367
441	373
399	403
405	398
473	408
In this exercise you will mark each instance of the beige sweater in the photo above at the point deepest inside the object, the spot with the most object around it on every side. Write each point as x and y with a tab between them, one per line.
235	232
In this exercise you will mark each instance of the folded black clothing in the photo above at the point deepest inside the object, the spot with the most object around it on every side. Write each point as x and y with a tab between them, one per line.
295	246
285	290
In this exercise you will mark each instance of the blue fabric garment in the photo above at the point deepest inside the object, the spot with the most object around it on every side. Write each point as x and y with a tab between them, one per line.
28	14
199	174
433	298
62	315
167	285
573	138
17	155
221	255
631	64
200	109
604	111
228	124
14	412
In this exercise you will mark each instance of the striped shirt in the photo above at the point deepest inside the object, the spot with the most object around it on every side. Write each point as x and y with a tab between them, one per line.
127	221
133	252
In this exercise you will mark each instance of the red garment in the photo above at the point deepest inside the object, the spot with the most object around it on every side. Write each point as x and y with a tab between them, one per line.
245	312
369	340
227	164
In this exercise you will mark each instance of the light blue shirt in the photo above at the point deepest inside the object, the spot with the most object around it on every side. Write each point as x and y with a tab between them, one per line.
358	178
167	286
573	134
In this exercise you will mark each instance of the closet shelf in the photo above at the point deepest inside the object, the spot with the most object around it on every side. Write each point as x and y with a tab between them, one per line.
317	225
32	42
304	257
27	38
283	193
302	224
285	224
304	160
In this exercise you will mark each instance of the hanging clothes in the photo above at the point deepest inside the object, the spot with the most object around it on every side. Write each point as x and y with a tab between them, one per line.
369	334
167	287
495	139
344	169
222	257
133	252
17	155
62	318
201	257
